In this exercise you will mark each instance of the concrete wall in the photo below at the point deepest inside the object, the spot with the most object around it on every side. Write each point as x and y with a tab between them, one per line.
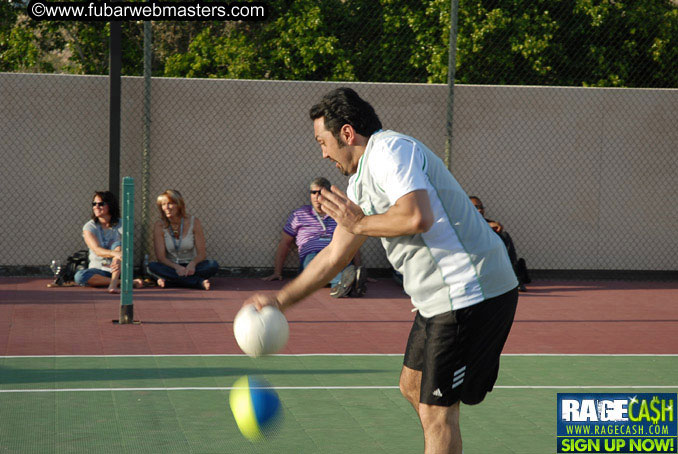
581	178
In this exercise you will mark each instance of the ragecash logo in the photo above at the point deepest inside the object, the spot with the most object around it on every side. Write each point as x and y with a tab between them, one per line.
616	422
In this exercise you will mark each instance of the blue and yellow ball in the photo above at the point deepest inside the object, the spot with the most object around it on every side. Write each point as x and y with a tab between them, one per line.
255	406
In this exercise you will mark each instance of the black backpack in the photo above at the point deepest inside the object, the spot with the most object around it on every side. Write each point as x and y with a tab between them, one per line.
74	263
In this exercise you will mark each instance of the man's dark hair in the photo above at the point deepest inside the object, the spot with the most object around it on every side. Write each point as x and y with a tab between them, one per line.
343	106
113	207
322	182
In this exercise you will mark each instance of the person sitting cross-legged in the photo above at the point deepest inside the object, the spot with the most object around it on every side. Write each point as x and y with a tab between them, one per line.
103	236
179	242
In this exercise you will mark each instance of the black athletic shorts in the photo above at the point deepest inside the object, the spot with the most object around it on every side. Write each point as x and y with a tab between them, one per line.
458	351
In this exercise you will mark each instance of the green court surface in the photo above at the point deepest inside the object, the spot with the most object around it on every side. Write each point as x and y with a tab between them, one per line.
332	403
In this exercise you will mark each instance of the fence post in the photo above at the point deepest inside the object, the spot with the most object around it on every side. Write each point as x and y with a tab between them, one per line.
114	71
146	153
127	269
451	71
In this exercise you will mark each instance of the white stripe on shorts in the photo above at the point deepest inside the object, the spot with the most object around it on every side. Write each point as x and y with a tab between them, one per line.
458	377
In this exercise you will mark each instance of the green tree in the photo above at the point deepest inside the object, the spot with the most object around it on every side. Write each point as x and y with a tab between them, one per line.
395	40
505	42
23	47
296	43
549	42
329	40
627	43
542	42
65	46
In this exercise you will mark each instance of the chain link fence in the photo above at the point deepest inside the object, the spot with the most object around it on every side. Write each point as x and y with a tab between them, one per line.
575	173
243	155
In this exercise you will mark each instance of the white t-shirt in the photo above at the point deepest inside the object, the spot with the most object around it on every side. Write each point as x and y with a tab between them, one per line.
459	261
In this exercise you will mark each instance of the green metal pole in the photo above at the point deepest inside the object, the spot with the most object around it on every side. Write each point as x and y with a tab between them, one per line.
126	274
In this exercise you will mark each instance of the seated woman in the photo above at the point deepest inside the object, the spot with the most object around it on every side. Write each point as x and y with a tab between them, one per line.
103	236
179	243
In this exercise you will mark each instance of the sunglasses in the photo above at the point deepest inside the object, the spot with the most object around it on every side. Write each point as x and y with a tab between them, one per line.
98	204
316	192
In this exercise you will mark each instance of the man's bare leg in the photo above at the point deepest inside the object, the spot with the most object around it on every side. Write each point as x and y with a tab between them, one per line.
441	424
410	385
441	428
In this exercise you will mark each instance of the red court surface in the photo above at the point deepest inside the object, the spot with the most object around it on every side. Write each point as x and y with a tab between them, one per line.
579	317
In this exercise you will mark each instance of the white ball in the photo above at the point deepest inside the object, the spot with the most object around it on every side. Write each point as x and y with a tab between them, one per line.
260	332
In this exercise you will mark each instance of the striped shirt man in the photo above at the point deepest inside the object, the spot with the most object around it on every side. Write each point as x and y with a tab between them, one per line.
311	231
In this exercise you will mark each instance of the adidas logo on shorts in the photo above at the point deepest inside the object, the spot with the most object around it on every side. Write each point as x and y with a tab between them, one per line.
437	393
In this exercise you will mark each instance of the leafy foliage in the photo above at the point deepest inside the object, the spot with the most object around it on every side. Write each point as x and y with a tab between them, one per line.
538	42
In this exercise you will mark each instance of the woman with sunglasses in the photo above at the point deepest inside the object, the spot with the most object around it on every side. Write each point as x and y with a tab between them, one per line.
103	236
179	243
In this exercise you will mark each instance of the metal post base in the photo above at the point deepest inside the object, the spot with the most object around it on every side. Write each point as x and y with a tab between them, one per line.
127	315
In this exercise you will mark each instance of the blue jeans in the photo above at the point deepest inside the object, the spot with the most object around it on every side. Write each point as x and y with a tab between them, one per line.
83	276
203	270
308	259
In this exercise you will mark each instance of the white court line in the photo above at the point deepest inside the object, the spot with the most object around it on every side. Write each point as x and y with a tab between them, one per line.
307	388
191	388
226	355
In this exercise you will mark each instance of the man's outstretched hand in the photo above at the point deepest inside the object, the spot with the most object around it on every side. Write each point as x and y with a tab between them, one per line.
337	204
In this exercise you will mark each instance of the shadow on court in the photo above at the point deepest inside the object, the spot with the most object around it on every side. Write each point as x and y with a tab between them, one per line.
554	316
9	375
